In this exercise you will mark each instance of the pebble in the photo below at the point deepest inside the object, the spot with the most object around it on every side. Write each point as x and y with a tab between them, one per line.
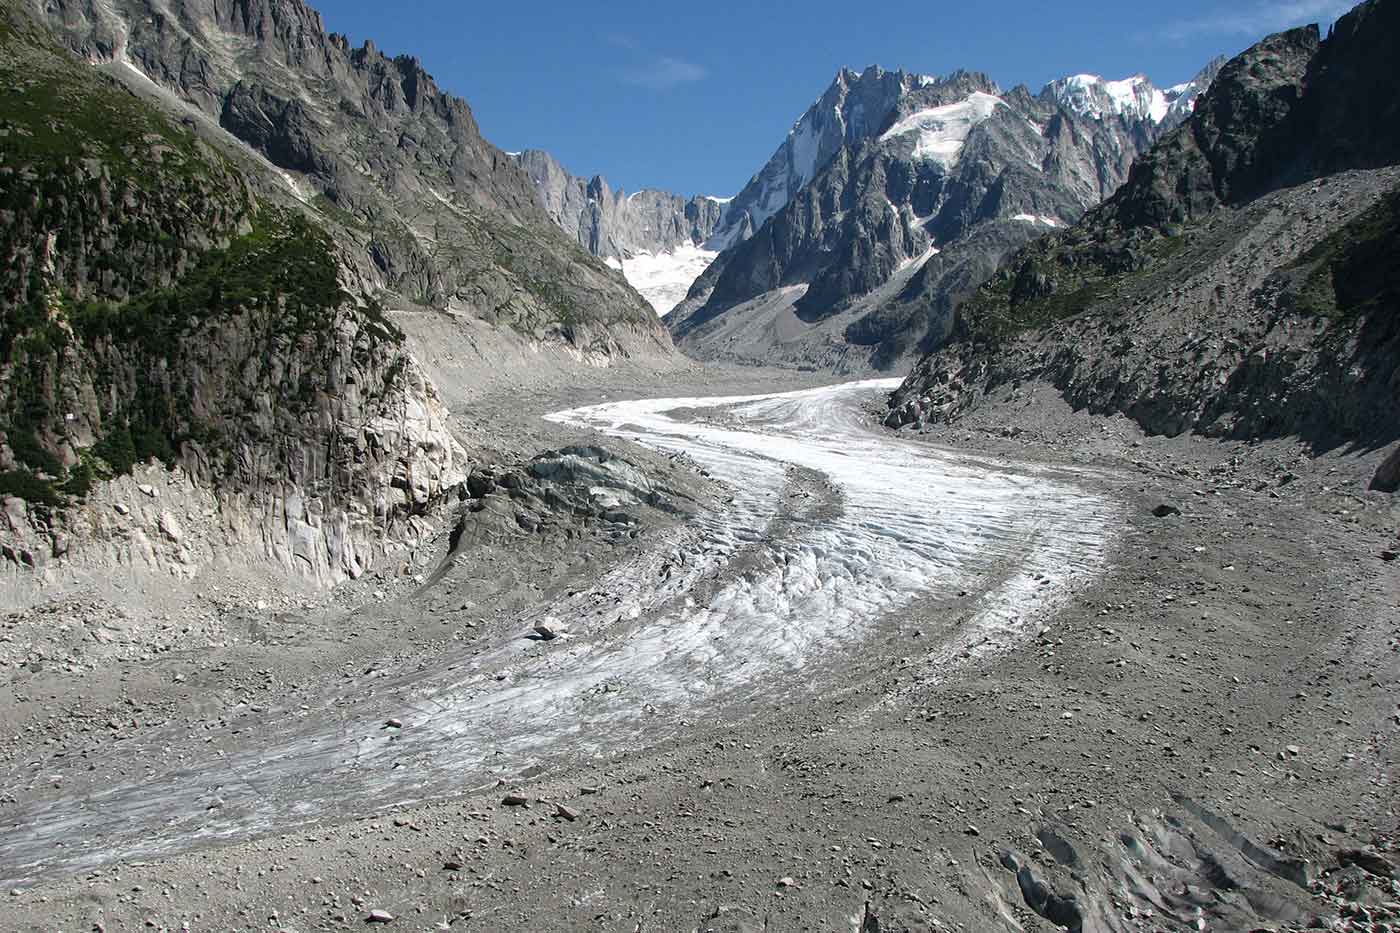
515	800
393	724
379	916
564	812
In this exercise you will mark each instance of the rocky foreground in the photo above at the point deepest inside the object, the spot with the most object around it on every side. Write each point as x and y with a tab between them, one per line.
1202	734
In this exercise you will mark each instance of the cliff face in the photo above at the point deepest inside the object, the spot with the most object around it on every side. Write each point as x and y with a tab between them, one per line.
613	224
428	209
1240	283
155	309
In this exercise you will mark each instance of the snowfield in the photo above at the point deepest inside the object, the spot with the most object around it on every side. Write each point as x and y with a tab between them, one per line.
940	132
663	279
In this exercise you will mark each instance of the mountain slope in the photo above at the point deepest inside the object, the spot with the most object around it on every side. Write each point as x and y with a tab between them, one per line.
1241	283
156	308
918	186
439	216
655	238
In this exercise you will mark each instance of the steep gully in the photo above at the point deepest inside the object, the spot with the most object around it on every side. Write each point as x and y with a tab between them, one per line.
736	612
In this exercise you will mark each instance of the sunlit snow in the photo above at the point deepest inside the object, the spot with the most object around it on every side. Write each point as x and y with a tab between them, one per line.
664	278
1037	219
1130	96
942	131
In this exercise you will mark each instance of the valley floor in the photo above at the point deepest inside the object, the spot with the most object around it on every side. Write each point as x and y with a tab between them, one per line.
1195	730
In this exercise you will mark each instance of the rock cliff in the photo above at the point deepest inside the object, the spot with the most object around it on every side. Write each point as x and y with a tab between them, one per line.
437	216
157	310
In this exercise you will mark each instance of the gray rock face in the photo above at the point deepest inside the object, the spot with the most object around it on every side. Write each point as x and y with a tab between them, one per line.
438	215
853	108
613	224
894	196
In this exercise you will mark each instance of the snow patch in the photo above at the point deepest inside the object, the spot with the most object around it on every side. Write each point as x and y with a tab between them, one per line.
1093	96
940	132
803	142
1038	219
663	279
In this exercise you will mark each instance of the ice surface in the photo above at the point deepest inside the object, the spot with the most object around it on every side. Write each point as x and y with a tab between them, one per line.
940	132
664	278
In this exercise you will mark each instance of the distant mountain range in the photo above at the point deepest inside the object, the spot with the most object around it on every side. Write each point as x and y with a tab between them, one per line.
893	195
890	196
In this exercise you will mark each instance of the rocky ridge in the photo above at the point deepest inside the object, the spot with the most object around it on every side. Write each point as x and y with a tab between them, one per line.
613	224
1241	284
438	217
158	310
894	196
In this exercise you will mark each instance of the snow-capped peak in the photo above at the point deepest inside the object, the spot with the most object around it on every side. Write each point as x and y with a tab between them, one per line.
1093	96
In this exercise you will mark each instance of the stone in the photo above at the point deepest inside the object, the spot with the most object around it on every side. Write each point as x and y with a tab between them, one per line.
379	916
565	813
121	509
515	800
170	527
786	882
972	830
452	865
546	630
1163	510
146	489
1387	477
393	724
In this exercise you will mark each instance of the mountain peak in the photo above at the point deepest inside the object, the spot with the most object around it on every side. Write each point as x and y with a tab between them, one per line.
1134	97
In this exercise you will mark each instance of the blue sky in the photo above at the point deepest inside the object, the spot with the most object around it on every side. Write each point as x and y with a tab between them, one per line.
693	98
